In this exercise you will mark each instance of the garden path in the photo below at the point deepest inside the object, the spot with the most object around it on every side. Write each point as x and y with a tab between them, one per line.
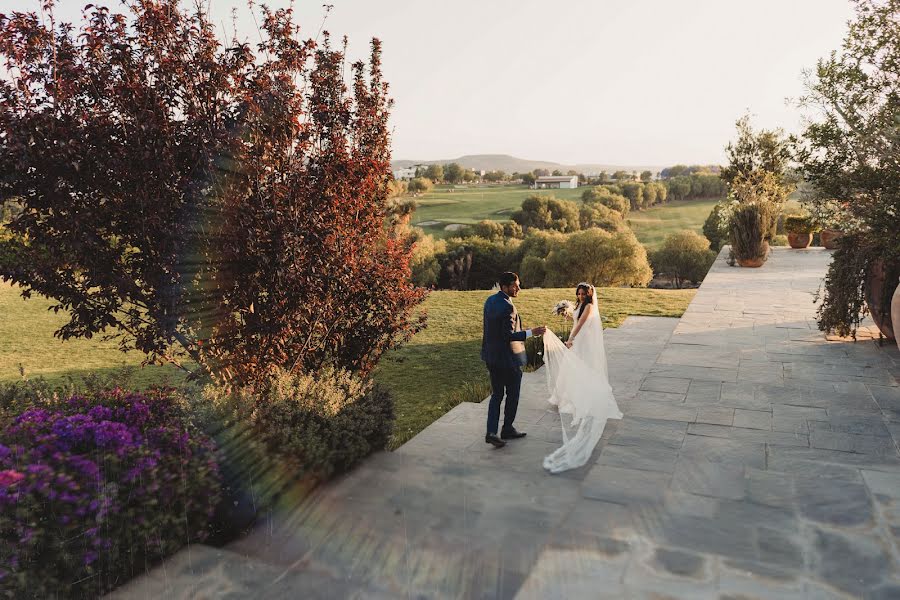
755	459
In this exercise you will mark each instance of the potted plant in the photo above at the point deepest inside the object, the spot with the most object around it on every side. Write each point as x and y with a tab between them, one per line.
860	281
848	155
828	216
799	230
748	244
829	238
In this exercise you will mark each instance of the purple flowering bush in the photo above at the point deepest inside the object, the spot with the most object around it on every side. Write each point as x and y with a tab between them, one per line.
95	489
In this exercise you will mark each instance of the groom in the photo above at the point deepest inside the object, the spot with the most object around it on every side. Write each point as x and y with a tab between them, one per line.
503	351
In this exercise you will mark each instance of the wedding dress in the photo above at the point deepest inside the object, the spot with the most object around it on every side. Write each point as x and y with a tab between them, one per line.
579	385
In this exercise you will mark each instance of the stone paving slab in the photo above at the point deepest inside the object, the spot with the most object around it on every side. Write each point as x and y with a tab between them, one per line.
756	459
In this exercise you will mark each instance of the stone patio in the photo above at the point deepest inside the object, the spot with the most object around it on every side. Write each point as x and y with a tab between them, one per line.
756	459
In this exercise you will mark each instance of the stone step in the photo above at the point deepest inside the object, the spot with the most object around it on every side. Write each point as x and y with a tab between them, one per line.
199	571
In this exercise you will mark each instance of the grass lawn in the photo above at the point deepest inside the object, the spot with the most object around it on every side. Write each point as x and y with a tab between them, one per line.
447	205
425	375
651	226
26	341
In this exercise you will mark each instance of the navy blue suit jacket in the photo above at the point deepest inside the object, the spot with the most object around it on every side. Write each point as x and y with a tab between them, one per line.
501	326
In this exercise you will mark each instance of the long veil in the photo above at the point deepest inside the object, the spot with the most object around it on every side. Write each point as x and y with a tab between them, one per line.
579	385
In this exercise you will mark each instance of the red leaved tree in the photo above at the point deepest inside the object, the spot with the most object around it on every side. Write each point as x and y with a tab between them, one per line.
219	203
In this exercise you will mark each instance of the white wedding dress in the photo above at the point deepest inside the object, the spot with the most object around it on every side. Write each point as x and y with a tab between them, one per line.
579	386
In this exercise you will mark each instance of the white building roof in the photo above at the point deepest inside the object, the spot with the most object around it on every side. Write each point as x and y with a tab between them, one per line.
555	178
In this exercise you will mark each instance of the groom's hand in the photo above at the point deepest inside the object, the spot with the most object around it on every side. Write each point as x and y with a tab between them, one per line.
538	330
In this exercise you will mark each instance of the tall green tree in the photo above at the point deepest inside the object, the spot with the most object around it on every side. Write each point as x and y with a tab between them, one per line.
764	150
542	211
453	173
850	153
420	185
601	257
435	173
634	191
684	256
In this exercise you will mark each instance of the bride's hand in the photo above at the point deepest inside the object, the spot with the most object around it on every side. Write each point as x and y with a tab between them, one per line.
568	344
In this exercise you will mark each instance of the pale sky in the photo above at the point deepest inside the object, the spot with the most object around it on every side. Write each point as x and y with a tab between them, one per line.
637	82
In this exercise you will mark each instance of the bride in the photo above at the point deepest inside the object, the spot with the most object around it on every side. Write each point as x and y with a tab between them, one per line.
579	384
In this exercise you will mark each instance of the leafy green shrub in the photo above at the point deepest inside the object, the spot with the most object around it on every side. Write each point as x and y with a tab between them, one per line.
420	185
511	229
319	424
843	298
423	263
634	191
798	224
713	229
541	211
474	263
601	257
598	215
18	396
779	240
98	487
533	271
602	195
684	256
613	188
489	230
541	243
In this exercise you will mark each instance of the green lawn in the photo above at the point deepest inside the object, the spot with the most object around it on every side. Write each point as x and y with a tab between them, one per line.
447	205
651	226
425	375
26	341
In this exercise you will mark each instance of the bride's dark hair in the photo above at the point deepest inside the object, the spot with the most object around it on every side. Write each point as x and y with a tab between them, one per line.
587	293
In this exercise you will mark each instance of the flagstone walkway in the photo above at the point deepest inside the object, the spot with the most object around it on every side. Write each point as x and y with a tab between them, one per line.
756	459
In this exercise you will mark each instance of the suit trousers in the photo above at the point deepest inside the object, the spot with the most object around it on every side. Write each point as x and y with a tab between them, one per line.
506	380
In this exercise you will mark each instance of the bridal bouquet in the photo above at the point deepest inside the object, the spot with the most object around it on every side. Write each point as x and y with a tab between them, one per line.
564	308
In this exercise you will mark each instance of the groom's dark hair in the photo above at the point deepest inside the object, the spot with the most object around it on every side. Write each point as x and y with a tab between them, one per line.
507	278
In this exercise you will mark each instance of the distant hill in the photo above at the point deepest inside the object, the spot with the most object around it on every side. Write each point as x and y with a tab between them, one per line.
511	164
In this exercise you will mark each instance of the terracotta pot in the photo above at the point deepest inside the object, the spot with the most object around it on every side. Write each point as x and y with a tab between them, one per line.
877	277
895	315
829	238
751	262
799	240
754	262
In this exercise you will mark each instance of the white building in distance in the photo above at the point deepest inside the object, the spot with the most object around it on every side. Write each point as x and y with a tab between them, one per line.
408	172
549	182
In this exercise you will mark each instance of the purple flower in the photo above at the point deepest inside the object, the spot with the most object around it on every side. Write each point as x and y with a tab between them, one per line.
33	415
101	413
106	466
113	435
